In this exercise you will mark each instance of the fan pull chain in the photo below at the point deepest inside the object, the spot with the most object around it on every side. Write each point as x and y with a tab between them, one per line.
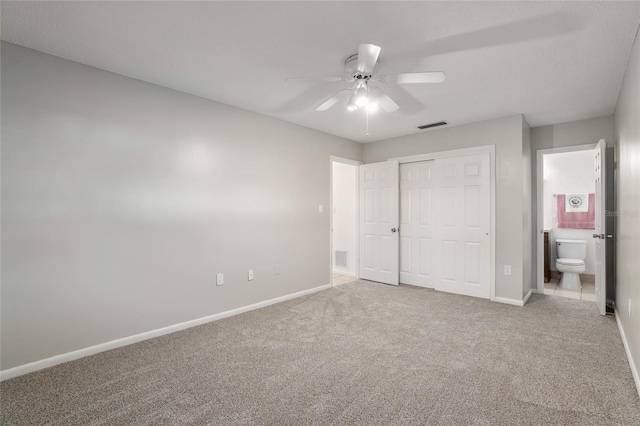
367	112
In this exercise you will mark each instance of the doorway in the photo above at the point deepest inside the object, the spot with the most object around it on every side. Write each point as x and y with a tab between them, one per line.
344	220
571	240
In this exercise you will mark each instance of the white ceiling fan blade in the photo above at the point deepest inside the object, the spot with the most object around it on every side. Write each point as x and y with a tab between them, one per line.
384	101
367	57
331	101
416	77
312	79
387	104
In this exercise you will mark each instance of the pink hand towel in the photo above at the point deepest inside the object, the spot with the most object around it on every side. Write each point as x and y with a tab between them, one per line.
576	220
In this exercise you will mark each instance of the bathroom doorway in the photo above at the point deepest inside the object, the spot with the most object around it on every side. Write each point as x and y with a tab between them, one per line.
568	224
344	220
572	240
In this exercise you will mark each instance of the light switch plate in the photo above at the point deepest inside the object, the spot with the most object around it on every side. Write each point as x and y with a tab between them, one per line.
250	274
219	279
320	208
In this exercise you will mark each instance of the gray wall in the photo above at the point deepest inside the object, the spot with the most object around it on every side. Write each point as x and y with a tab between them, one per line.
506	134
581	132
627	140
121	200
573	133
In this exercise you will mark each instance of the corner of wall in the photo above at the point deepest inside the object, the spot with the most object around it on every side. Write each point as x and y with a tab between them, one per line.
627	205
528	251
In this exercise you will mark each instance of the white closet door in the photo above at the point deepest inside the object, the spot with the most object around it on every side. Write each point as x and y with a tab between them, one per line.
463	252
379	222
416	223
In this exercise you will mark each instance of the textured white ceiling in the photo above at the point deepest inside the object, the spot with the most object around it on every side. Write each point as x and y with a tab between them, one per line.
551	61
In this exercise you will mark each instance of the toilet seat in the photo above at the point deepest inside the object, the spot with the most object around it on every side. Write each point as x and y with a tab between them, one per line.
570	262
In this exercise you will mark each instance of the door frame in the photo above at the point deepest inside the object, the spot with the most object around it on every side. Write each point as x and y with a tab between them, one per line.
539	230
350	162
485	149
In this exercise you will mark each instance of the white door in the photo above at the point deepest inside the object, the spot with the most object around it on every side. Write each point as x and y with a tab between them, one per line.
463	252
599	232
379	222
416	223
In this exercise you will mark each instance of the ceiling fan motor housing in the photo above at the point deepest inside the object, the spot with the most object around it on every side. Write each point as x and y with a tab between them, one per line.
351	68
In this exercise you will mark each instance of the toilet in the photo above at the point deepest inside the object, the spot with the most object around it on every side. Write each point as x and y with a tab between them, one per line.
571	256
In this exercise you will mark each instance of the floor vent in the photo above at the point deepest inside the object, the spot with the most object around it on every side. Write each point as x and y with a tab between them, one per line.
342	259
428	126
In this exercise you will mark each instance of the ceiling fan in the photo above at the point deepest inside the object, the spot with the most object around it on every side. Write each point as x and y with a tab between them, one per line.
365	90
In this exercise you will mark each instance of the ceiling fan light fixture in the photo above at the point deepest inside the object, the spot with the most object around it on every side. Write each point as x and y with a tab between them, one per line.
372	107
362	96
362	100
351	104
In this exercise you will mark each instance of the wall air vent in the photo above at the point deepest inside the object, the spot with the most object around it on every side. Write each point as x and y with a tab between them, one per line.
428	126
342	259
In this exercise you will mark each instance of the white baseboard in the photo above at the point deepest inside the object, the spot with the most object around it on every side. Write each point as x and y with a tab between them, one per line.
514	302
91	350
627	349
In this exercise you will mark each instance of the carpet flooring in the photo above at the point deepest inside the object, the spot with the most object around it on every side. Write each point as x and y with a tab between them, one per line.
360	353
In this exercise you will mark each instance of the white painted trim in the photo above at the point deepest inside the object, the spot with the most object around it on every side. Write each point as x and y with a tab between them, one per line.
91	350
447	154
540	206
515	302
344	160
492	188
333	158
627	349
484	149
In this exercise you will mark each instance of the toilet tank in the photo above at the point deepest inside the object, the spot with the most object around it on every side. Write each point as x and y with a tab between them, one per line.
572	249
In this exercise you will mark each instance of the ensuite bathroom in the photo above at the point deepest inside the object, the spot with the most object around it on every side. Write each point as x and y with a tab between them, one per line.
569	222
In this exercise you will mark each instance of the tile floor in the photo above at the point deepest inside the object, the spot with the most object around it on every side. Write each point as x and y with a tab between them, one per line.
342	279
588	291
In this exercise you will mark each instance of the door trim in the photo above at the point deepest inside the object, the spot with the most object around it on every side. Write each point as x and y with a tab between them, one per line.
484	149
356	163
540	153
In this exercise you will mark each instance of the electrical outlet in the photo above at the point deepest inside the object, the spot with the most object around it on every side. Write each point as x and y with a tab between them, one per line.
507	269
276	270
630	308
250	275
219	279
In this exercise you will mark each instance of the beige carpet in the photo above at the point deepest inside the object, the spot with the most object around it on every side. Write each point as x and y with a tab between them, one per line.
361	353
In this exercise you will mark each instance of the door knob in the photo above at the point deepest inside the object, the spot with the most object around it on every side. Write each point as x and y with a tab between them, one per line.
601	236
394	230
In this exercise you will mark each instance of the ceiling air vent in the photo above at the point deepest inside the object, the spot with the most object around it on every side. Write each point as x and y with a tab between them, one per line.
428	126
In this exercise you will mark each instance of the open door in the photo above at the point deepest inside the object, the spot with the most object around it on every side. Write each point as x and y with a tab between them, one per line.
599	232
379	230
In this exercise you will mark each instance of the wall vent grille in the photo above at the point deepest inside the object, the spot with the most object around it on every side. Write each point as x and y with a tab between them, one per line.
342	258
428	126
